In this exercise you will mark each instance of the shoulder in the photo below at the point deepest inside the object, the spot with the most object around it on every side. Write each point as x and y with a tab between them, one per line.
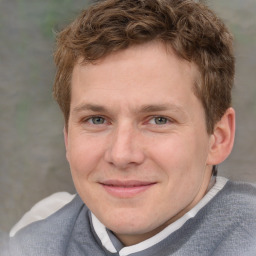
234	209
228	195
239	195
226	225
43	209
233	219
233	206
237	199
51	226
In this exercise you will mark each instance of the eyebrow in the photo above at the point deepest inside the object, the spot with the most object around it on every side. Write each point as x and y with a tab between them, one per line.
143	109
161	107
91	107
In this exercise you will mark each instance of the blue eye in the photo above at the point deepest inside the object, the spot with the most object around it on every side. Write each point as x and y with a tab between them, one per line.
159	120
97	120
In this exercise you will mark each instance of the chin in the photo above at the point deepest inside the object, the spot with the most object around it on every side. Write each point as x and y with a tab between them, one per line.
130	225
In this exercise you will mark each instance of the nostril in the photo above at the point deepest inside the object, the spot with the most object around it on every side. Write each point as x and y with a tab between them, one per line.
124	158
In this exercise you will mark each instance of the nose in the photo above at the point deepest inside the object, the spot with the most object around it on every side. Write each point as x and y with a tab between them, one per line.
125	149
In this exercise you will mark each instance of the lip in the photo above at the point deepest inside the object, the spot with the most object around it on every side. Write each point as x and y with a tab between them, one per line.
126	189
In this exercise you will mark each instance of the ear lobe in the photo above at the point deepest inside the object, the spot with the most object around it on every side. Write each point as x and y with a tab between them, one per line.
222	139
65	133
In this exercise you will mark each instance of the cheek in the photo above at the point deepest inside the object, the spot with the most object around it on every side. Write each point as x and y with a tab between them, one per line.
182	158
171	152
84	159
83	155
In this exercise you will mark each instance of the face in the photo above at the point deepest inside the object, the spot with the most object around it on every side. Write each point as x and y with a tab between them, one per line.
137	143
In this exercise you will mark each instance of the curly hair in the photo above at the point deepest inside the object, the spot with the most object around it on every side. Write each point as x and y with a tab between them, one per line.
194	32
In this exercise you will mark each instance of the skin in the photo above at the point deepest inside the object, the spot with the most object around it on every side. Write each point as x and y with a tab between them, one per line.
137	145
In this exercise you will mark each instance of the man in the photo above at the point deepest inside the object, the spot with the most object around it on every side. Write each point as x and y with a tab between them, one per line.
145	88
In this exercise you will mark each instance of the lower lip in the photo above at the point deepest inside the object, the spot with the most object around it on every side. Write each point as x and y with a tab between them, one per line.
126	192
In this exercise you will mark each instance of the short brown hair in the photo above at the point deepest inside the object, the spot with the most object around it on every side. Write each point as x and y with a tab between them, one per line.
194	32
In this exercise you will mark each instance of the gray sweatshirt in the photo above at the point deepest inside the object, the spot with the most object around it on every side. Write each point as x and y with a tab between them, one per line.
224	226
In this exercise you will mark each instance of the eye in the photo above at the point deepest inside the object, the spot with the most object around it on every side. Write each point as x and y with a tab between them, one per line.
159	120
96	120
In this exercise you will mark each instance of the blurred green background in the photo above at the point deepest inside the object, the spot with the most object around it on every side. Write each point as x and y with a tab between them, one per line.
32	155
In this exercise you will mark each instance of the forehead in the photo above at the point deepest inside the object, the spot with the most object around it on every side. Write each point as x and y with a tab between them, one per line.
139	72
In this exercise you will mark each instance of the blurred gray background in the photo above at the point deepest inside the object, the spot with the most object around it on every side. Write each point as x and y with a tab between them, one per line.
32	156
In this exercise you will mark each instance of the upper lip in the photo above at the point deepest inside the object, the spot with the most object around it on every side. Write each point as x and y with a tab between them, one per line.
126	183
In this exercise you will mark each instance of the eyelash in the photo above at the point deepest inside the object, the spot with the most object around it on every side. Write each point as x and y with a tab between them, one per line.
167	120
90	120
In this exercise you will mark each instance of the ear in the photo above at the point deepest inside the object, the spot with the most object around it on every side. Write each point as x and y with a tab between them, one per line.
65	133
222	139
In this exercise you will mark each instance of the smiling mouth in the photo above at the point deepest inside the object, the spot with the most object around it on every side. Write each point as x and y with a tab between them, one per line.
126	189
